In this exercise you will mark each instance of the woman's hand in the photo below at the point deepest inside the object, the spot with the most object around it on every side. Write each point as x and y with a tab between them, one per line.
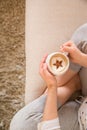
46	75
74	53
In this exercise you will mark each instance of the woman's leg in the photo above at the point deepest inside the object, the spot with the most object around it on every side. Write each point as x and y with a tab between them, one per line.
83	78
78	36
29	116
68	116
82	115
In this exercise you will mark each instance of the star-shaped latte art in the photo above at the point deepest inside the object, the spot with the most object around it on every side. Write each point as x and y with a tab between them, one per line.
58	64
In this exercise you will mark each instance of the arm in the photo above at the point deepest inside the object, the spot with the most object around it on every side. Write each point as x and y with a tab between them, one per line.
50	114
50	110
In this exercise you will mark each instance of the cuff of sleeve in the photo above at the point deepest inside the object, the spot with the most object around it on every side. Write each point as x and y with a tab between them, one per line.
74	67
49	125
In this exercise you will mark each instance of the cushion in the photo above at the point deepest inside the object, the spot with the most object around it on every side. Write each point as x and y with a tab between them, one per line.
49	23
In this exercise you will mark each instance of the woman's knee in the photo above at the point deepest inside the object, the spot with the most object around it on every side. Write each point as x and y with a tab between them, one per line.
22	124
29	116
25	121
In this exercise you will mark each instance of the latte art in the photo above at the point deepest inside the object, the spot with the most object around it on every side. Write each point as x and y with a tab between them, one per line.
57	63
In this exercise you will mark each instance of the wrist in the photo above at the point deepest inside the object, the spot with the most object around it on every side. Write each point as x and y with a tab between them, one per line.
52	86
52	91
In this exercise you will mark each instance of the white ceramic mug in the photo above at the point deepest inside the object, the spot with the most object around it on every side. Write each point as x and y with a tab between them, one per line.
58	63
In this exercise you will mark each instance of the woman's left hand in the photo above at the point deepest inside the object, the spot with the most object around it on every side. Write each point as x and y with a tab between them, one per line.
46	75
74	53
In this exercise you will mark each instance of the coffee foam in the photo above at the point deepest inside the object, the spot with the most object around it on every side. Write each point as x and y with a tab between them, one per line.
57	57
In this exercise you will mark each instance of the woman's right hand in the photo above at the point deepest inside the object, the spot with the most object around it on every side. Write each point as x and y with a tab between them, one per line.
46	75
74	53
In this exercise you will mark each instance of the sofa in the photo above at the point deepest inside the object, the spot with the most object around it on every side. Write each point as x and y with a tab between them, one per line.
49	23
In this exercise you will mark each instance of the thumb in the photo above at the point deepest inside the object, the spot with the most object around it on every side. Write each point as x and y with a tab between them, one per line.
45	67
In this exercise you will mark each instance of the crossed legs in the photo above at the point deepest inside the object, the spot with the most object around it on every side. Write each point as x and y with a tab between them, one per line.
29	116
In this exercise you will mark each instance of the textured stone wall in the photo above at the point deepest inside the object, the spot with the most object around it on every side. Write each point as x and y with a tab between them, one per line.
12	59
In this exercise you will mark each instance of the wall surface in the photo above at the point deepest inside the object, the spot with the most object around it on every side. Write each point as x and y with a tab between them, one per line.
12	59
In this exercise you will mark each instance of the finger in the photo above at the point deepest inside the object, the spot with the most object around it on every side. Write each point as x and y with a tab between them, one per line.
65	44
45	67
69	43
66	49
46	71
44	58
41	65
41	70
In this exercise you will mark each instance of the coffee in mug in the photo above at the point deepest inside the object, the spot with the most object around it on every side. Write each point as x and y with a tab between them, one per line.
58	63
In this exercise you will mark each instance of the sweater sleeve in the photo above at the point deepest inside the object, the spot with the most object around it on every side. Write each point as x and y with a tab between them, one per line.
49	125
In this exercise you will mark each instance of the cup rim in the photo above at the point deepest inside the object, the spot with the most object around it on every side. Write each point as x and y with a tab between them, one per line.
48	63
